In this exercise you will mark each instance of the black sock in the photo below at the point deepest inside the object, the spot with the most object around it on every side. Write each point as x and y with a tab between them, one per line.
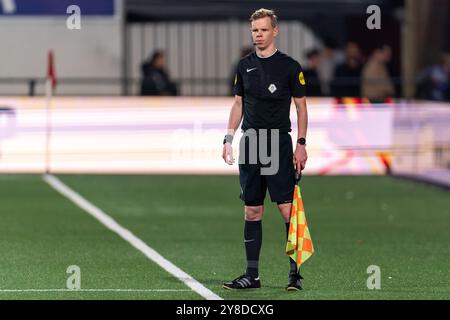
292	263
252	239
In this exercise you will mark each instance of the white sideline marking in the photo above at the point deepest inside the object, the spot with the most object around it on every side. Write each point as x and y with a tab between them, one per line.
94	290
140	245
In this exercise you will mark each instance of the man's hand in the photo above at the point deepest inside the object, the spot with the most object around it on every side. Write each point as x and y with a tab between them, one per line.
227	153
300	157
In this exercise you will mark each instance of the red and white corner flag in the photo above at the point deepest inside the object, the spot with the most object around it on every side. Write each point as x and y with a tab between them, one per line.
51	74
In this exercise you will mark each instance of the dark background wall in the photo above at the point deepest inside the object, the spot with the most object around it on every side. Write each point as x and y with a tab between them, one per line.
327	18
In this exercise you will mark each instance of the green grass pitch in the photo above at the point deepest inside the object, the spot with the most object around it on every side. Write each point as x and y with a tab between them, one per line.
196	222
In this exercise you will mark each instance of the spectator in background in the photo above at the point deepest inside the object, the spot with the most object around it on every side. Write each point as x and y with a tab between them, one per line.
434	81
376	83
347	76
156	81
311	75
395	74
245	51
330	56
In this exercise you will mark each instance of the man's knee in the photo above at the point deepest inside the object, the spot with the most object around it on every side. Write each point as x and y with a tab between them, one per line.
254	213
285	210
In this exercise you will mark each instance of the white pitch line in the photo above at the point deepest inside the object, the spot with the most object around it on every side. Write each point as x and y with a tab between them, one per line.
94	290
127	235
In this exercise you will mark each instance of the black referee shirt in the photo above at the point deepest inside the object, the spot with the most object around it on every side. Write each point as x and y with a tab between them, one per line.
266	86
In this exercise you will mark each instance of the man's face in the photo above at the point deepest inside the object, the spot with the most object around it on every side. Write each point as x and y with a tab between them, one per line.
160	63
314	61
387	53
353	51
263	34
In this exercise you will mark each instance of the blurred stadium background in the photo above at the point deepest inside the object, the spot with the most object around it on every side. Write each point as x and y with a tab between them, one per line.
375	186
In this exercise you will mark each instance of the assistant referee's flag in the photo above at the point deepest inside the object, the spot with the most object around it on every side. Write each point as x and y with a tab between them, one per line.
299	244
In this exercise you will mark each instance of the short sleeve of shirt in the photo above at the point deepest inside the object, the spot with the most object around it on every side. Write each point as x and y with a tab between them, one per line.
298	83
238	88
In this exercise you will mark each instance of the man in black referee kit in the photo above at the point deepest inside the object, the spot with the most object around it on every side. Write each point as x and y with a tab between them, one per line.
265	83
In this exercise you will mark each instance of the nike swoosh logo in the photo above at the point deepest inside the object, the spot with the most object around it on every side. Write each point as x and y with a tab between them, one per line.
248	70
249	240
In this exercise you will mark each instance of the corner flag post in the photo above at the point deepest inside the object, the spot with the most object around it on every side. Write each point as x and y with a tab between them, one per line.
50	85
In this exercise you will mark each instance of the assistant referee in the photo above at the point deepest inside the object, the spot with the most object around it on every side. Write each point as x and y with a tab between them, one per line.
266	81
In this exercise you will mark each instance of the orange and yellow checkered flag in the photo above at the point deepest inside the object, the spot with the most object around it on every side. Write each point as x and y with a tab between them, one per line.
299	244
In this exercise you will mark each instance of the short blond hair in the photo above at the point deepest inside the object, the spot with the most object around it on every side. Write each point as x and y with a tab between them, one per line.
262	13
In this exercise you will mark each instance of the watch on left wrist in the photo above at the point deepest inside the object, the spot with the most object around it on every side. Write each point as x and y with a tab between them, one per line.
301	141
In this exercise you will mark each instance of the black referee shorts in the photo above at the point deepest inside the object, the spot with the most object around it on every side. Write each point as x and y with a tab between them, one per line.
254	184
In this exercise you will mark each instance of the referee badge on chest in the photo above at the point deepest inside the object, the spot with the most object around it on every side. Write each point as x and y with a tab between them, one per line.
272	88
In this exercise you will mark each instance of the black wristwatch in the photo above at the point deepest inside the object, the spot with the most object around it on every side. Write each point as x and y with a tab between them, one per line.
301	141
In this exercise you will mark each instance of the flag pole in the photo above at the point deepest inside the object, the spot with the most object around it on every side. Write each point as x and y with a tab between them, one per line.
48	94
50	85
